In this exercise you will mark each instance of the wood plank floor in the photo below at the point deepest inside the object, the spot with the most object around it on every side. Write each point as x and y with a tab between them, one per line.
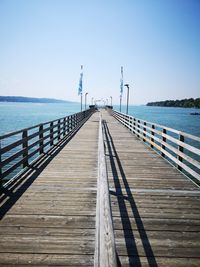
53	222
156	210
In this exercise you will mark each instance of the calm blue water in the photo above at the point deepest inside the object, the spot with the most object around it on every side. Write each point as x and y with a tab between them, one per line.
15	116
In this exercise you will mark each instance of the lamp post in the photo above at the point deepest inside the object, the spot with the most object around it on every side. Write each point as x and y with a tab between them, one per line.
127	85
86	100
111	101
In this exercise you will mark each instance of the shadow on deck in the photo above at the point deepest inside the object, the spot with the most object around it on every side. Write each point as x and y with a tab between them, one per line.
131	246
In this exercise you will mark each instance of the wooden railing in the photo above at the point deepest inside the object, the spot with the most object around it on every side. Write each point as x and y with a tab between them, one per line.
180	148
20	148
105	251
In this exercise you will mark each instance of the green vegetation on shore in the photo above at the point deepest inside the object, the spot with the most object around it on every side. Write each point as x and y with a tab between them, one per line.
184	103
30	99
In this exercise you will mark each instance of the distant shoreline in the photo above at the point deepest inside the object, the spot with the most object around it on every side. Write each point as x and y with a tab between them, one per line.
184	103
31	99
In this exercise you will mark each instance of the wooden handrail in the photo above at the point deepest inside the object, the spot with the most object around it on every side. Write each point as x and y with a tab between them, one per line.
164	140
105	251
18	149
190	136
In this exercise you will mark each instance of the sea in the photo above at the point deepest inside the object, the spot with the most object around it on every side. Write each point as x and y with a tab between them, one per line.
16	116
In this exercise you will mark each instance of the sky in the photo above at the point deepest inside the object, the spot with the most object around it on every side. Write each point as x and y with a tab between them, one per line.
43	43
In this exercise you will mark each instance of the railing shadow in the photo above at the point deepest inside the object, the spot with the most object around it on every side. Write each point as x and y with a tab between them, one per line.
17	187
131	246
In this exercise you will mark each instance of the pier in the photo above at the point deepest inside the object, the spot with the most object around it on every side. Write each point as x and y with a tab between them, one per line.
100	191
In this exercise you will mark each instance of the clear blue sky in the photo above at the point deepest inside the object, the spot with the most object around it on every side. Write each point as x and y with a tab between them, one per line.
44	42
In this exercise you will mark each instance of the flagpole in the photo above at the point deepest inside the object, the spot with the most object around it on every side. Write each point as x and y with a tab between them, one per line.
81	102
120	107
80	88
121	88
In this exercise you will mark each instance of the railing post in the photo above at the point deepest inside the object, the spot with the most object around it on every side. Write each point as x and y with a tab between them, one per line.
144	129
180	148
138	125
51	134
25	146
41	136
70	123
1	171
152	133
164	140
67	124
59	129
134	124
64	126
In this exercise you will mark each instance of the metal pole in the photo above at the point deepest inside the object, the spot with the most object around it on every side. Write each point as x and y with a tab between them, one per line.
111	101
81	102
86	100
120	105
92	100
127	85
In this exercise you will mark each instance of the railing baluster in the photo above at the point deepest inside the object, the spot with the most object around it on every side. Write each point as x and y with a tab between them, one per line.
144	134
41	136
64	126
51	133
138	125
134	124
152	133
58	129
164	140
25	146
180	148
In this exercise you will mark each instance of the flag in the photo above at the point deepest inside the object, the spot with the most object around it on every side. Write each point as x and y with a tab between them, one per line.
80	87
121	82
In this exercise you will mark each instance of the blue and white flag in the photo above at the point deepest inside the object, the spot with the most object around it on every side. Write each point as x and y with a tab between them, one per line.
121	82
80	87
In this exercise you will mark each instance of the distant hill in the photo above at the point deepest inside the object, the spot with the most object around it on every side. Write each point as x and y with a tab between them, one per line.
184	103
30	99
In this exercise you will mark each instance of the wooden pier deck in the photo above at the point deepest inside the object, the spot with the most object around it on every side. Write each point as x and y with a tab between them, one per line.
155	209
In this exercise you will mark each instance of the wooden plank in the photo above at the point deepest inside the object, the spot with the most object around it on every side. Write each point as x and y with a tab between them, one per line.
105	251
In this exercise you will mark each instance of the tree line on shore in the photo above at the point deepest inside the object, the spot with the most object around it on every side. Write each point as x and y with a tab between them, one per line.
184	103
